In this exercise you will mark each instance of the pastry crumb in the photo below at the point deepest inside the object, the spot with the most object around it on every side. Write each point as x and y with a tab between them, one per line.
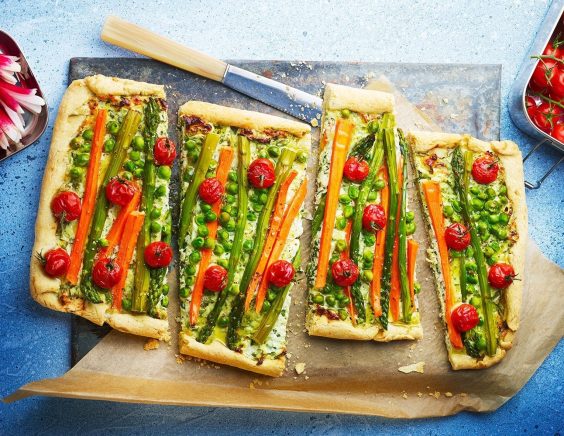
435	394
448	394
414	367
180	359
314	122
299	368
419	394
307	377
151	344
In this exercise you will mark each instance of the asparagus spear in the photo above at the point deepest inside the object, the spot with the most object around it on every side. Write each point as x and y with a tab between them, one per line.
243	158
283	168
459	165
269	320
402	238
127	131
189	201
390	148
142	275
462	259
318	216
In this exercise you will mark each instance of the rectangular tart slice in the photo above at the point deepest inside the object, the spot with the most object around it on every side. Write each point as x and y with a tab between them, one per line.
473	196
104	206
362	267
243	189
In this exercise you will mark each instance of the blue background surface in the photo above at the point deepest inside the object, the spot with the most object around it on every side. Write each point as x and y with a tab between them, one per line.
34	342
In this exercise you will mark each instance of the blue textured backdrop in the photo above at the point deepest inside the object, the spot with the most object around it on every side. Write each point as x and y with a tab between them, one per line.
34	342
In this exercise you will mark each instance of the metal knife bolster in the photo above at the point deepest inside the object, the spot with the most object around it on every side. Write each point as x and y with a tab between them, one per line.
290	100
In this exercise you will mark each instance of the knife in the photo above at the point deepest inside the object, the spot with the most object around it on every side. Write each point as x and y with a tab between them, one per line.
292	101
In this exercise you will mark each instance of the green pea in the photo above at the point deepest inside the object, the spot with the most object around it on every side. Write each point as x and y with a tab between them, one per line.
379	184
129	166
474	190
194	257
484	214
190	281
228	245
223	234
469	251
348	211
301	157
257	207
88	134
224	218
345	113
482	195
456	206
164	172
341	223
495	246
77	142
273	151
190	145
126	175
503	218
345	301
166	230
81	159
248	245
86	148
448	210
480	321
410	228
370	239
213	164
138	143
194	155
164	301
263	198
271	296
209	243
266	306
493	219
317	299
203	231
341	245
232	188
339	295
262	154
372	196
367	276
198	243
187	176
455	253
229	199
200	219
126	304
112	127
155	227
368	256
488	252
492	205
410	216
481	343
231	224
416	287
251	216
343	314
232	176
491	192
472	279
373	126
183	292
234	290
330	300
501	234
210	217
218	249
354	192
482	226
476	301
205	207
344	199
470	265
477	204
138	173
223	321
76	173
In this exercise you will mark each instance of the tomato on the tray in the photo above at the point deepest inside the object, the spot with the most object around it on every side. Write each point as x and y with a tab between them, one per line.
164	152
56	262
106	273
120	191
501	275
457	237
215	278
485	169
281	273
158	254
464	317
261	173
356	170
66	206
211	190
344	272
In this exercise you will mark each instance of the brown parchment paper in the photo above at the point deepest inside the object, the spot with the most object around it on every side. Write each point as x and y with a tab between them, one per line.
339	376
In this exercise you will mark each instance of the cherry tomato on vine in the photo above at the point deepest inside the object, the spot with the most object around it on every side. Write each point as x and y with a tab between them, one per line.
281	273
106	273
550	50
501	275
547	115
158	254
56	262
531	105
558	132
457	237
464	317
544	73
215	278
556	90
344	272
356	170
164	151
120	191
66	206
211	190
261	173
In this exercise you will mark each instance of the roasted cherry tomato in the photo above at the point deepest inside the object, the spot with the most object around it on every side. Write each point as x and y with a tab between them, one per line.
501	275
464	317
120	191
215	278
356	170
281	273
66	206
546	116
261	173
373	218
485	169
164	151
558	132
544	73
158	254
457	237
56	262
344	272
106	273
211	190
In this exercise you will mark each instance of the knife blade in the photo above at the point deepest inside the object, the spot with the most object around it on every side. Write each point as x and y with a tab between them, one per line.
292	101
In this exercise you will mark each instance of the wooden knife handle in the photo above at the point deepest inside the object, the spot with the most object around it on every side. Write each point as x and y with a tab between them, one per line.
137	39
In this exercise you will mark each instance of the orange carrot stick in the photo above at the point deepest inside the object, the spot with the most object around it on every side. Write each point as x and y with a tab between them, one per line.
118	225
289	216
343	137
127	243
412	247
375	290
275	222
89	198
432	192
223	167
395	279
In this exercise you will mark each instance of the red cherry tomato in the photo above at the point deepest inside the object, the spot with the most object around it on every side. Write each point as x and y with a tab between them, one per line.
164	151
215	278
281	273
344	272
547	115
501	275
56	262
464	317
106	273
558	132
544	73
261	173
557	85
531	105
120	191
356	170
66	206
373	218
485	169
211	190
158	254
457	237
